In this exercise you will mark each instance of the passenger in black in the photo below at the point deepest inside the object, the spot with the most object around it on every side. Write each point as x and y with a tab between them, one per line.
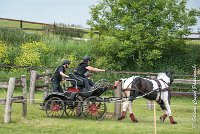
82	72
57	76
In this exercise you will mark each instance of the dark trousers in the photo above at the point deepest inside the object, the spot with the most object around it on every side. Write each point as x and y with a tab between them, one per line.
87	82
57	87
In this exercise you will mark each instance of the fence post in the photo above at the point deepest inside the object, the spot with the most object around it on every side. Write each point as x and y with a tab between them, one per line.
46	82
24	94
32	86
150	103
21	26
117	93
8	109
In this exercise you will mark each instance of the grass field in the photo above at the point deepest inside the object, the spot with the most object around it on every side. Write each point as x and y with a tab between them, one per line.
8	23
37	121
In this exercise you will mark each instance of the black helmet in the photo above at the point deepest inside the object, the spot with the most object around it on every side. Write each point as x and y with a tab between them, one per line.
66	62
87	58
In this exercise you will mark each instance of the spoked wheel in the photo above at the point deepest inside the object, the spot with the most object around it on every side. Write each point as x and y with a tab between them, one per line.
55	107
93	108
74	108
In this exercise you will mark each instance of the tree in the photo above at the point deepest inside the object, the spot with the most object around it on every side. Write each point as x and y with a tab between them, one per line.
137	32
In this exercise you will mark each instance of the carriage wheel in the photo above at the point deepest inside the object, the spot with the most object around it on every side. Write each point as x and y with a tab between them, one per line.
93	108
55	107
75	108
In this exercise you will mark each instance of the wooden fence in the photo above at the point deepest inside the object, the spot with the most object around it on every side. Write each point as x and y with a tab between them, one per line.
21	82
33	84
46	27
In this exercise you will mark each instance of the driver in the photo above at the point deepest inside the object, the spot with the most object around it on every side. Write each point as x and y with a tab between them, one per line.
82	72
57	76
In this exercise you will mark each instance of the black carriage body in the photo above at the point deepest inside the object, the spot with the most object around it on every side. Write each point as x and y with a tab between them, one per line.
68	97
96	92
59	95
71	96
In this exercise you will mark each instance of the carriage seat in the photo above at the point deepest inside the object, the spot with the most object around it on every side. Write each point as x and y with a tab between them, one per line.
79	81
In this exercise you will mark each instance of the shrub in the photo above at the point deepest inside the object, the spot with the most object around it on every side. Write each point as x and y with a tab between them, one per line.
33	54
3	53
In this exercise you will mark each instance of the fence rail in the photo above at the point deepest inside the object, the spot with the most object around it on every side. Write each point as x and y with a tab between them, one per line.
46	27
186	81
3	84
24	21
185	94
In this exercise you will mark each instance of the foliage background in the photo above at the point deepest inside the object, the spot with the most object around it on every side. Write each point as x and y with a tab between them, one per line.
33	49
144	34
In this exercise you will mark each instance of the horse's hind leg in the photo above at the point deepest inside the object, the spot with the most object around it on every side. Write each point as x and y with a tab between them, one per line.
164	116
169	113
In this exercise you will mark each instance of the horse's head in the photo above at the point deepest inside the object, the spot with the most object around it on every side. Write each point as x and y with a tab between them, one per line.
118	82
166	76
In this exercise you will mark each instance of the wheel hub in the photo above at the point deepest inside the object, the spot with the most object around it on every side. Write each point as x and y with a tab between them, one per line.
93	108
55	107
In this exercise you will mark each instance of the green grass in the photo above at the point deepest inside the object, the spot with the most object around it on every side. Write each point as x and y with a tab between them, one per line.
193	42
37	121
8	23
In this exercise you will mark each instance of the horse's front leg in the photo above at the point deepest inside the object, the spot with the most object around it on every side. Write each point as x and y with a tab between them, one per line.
165	98
164	116
132	116
127	104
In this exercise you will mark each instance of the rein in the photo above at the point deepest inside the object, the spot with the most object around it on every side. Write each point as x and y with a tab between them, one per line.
145	94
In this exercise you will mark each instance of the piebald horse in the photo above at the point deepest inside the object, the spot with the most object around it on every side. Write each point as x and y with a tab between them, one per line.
152	89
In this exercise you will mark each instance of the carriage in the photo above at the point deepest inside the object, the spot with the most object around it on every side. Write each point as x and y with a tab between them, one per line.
91	105
73	102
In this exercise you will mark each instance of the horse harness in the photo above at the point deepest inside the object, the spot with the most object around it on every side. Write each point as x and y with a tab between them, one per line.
158	98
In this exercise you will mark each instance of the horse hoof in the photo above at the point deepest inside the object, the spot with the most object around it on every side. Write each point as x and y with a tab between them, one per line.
121	118
162	119
135	121
173	122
